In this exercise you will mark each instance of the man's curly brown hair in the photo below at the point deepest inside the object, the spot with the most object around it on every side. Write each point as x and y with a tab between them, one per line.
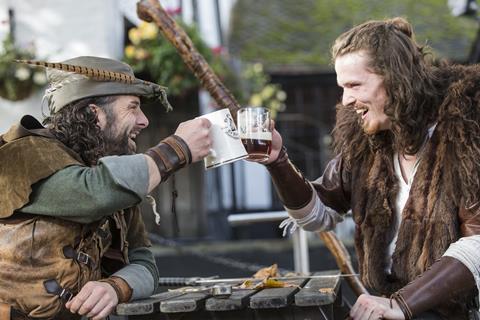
75	125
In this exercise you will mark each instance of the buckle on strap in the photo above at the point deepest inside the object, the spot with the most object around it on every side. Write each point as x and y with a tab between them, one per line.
53	287
84	258
66	295
79	256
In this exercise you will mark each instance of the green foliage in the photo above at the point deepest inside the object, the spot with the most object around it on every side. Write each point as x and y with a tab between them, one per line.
259	92
17	81
301	32
153	57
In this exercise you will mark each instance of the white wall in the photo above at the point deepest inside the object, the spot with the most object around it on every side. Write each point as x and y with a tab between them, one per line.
207	18
60	29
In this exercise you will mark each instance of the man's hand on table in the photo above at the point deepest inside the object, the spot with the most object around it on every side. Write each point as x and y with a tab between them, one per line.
372	307
96	300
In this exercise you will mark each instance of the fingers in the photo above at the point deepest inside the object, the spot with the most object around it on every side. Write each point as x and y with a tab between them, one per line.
104	308
376	315
364	313
76	303
372	308
196	134
201	122
272	125
361	309
95	299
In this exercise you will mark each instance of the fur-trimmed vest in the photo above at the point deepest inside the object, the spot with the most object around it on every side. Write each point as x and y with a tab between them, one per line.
446	179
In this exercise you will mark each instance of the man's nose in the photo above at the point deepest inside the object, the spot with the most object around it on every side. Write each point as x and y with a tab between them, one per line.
347	98
142	120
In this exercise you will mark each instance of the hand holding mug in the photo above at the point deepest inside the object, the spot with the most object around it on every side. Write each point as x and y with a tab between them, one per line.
226	146
196	134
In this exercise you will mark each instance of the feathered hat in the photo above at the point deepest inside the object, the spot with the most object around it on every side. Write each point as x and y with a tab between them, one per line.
86	76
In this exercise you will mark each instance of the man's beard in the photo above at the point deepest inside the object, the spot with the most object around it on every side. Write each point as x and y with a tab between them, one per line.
116	144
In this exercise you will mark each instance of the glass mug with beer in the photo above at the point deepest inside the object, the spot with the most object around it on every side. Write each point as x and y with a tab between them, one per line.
255	133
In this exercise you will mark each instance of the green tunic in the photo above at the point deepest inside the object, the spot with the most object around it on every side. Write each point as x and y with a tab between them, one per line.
56	183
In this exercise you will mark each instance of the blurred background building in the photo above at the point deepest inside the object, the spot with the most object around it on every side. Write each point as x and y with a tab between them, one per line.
253	45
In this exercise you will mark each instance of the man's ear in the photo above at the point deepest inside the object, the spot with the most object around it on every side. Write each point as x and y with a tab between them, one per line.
101	119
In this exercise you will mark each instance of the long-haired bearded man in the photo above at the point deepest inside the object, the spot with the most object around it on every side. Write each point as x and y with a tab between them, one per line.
407	165
72	239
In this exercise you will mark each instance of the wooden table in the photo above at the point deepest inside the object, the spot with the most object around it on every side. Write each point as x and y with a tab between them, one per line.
318	298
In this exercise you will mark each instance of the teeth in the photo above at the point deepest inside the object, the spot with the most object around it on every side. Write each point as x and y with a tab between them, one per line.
360	110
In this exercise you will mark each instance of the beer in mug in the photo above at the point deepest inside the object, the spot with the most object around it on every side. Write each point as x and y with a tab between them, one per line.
255	133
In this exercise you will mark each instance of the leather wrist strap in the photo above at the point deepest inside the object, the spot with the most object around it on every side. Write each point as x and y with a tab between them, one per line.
447	278
170	155
121	287
402	304
293	189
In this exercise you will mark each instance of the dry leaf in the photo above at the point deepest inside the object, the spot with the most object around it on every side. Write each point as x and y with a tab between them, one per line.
268	272
265	284
247	284
272	283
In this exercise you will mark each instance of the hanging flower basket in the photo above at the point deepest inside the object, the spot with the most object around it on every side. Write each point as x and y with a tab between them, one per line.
18	81
154	58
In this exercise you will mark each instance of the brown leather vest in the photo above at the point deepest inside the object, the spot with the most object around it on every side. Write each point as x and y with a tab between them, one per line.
45	260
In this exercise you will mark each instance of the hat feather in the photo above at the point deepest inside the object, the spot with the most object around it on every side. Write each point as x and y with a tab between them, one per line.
93	73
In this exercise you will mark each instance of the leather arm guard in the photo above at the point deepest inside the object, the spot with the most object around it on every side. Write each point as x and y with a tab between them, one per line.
444	280
121	287
170	155
293	189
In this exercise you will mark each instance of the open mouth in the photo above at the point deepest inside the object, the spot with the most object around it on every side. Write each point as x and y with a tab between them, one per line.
132	136
361	111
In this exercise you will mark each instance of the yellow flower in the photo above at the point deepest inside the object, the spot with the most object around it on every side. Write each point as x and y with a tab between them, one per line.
40	78
141	54
147	30
258	67
134	36
256	100
281	95
274	104
268	91
129	51
22	73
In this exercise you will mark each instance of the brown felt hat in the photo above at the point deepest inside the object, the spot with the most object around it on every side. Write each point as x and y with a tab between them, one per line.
87	76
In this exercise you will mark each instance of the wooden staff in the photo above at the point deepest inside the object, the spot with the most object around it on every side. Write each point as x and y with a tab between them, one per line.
344	262
151	10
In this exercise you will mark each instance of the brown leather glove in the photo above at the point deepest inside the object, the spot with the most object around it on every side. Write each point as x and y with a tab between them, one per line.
293	189
170	155
444	280
121	287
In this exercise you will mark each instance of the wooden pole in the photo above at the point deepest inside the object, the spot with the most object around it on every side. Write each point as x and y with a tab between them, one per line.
151	10
343	259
